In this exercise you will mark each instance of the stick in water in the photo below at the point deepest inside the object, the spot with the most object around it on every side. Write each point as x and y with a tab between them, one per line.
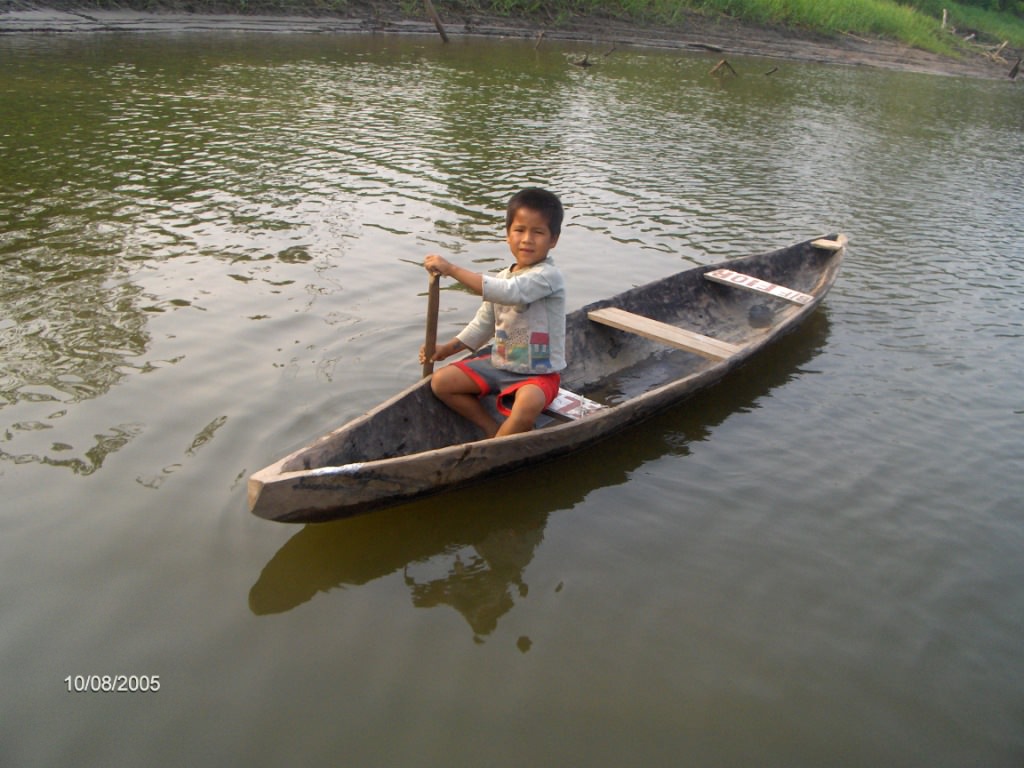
433	302
432	13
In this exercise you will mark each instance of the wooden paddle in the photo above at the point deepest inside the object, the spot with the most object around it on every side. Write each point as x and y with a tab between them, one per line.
433	302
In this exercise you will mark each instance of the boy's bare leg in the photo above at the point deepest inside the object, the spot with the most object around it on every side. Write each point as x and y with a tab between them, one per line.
460	393
530	401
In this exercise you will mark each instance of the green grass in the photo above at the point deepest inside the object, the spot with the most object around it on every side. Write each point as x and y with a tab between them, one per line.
996	26
882	18
915	23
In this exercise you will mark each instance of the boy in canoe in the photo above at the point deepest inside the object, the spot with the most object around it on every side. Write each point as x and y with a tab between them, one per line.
523	311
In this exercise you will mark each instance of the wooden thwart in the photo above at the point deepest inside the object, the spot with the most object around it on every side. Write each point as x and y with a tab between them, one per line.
751	283
705	346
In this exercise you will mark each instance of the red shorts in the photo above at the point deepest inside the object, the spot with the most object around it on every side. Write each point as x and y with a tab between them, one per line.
490	379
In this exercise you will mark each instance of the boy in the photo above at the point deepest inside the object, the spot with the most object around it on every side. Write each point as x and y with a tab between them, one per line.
523	310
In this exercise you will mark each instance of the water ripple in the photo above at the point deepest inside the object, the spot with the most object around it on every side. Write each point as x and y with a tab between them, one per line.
284	169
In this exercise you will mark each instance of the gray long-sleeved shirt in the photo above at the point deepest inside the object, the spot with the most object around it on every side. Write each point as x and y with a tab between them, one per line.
524	312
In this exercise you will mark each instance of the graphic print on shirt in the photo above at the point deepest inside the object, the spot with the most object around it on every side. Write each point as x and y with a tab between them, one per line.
521	340
540	350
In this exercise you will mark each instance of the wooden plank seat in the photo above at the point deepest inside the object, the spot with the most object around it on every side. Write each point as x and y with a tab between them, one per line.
756	284
713	349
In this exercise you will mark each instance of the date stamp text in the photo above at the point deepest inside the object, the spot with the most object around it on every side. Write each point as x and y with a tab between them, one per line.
112	683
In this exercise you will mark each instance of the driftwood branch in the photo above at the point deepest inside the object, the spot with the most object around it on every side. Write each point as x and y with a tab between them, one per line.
432	13
995	54
722	65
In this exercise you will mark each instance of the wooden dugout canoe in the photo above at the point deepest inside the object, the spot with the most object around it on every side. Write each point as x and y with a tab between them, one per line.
629	357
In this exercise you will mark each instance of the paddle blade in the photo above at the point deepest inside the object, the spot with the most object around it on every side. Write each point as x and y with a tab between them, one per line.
430	342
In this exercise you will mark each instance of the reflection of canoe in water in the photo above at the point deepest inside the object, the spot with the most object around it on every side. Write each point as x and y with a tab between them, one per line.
450	557
629	357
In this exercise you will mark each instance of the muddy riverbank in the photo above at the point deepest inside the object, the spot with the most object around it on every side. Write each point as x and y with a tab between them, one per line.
717	35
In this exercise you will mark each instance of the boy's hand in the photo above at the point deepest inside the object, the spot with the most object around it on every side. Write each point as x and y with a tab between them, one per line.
472	280
434	263
441	351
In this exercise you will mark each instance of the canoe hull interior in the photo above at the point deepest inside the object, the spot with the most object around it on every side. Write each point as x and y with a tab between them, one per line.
411	445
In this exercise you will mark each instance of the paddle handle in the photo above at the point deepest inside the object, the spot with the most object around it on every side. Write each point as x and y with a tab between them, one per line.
433	302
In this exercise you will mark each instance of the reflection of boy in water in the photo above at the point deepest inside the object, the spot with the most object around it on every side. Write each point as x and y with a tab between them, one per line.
481	581
523	310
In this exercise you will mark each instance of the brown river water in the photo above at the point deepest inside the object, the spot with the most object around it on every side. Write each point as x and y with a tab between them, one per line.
209	250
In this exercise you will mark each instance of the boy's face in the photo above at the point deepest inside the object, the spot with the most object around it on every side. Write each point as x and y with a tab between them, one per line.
529	237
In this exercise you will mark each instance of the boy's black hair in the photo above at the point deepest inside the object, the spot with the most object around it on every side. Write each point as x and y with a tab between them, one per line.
540	200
